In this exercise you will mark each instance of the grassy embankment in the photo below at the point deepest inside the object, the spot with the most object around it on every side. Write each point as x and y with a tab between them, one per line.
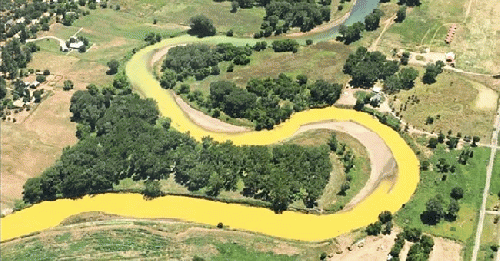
107	237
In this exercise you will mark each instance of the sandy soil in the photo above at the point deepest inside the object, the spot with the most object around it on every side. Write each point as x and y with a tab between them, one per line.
381	161
445	249
486	98
347	97
377	249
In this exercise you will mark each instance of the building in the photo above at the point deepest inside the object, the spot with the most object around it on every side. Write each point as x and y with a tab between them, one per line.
451	33
76	45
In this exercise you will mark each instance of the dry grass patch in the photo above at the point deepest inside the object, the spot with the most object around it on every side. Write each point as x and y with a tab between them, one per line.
451	101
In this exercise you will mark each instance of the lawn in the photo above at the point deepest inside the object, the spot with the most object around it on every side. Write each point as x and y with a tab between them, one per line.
451	101
470	177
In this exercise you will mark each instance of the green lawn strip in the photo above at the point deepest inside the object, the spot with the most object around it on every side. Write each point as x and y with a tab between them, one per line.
470	177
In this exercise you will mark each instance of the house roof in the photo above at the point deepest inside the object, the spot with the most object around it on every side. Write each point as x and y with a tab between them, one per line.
76	45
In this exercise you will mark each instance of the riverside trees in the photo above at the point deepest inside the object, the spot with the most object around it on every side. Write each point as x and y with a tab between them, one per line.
127	142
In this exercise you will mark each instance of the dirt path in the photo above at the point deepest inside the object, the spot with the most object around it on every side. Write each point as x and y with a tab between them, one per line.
387	23
381	161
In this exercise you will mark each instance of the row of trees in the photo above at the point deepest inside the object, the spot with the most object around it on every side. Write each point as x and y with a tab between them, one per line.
121	136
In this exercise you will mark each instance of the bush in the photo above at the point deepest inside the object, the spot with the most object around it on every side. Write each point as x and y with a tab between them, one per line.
68	85
220	225
385	216
374	229
152	189
309	41
322	256
229	33
46	72
457	193
285	45
41	78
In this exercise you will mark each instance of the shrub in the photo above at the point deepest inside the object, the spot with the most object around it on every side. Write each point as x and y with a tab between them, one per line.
41	78
220	225
46	72
374	228
152	189
68	85
309	41
457	193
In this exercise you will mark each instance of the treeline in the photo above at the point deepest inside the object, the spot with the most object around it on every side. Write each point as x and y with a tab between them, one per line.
268	101
121	136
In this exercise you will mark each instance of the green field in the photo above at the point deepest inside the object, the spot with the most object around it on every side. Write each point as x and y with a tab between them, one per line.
470	177
489	238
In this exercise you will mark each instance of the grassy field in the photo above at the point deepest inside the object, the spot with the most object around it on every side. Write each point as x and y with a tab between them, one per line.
115	238
451	101
243	22
470	177
330	200
489	238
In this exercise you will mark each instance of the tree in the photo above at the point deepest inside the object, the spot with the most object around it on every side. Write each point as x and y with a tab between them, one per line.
475	140
333	143
152	189
433	210
201	26
432	71
374	229
234	6
68	85
401	14
113	67
453	209
168	79
351	33
392	84
385	216
457	193
3	88
412	234
372	21
32	191
407	77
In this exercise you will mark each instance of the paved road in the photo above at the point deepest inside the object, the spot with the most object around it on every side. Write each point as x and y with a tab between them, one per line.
489	170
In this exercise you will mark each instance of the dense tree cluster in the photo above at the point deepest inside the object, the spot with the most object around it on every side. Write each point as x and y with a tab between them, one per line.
200	61
435	208
121	136
285	45
268	101
404	80
352	33
367	67
420	250
152	38
383	225
15	56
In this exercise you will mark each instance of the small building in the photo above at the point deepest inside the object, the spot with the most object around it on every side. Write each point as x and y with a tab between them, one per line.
450	58
451	33
76	45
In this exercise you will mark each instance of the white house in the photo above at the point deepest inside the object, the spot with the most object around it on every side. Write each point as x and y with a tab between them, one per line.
76	45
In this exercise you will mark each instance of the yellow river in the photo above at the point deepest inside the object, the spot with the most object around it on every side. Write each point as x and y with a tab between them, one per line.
291	225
